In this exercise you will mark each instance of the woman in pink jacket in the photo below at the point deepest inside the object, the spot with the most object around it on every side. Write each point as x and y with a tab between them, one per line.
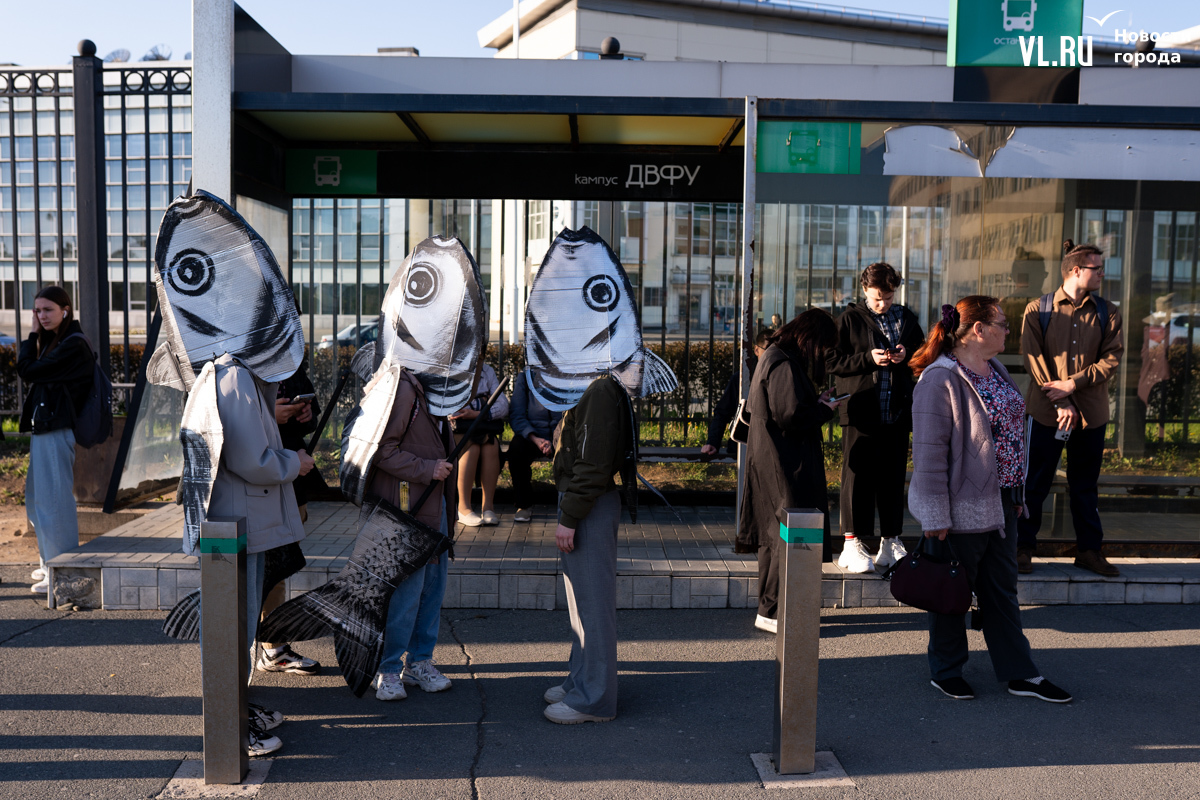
967	491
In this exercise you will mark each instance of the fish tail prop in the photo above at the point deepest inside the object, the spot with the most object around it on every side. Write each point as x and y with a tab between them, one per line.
657	377
184	620
659	495
333	609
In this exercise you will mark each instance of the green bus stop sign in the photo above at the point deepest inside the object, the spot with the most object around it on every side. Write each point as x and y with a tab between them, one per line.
326	172
987	33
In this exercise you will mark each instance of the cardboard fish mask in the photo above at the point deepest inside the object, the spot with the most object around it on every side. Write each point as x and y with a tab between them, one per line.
434	322
221	291
581	323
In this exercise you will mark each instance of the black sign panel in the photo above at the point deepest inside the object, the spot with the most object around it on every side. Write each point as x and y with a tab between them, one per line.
563	175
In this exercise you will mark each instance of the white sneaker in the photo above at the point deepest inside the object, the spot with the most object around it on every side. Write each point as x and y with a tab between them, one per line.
41	587
425	675
563	714
389	686
766	624
470	519
260	742
554	694
38	574
855	557
490	518
890	551
523	515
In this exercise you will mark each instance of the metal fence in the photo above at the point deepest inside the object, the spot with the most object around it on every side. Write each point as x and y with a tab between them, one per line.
145	153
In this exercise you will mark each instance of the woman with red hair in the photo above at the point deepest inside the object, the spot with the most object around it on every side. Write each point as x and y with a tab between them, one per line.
967	491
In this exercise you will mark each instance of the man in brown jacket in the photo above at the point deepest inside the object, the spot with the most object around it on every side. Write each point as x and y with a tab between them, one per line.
1072	346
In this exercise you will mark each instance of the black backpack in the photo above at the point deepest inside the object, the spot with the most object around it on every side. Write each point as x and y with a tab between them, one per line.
94	422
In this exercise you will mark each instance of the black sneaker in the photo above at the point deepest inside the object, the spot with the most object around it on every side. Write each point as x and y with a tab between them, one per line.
1043	690
955	687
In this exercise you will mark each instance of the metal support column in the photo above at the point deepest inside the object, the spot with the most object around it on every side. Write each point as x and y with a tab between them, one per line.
798	640
89	185
746	325
224	651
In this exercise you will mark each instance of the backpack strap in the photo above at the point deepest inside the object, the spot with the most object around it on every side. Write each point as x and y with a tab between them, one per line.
1045	310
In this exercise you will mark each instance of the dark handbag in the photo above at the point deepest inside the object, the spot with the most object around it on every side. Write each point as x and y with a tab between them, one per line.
923	581
739	429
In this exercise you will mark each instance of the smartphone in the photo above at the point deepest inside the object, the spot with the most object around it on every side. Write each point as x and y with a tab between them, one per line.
1062	434
304	398
837	398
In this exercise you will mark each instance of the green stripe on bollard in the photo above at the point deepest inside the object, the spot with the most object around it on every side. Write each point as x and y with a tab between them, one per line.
231	546
799	535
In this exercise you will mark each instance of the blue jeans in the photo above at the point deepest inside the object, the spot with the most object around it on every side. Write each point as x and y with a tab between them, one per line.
50	492
415	614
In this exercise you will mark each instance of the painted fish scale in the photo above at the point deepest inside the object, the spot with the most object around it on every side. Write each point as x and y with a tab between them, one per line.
391	546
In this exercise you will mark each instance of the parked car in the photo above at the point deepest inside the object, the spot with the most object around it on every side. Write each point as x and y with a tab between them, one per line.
5	340
352	335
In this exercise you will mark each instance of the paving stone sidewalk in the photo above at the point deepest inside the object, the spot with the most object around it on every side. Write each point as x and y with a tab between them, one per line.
662	562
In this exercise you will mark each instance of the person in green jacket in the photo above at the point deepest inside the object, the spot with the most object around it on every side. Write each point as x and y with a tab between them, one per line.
595	443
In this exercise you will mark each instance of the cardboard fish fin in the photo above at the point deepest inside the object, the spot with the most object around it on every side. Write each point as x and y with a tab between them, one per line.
657	377
163	368
203	438
363	364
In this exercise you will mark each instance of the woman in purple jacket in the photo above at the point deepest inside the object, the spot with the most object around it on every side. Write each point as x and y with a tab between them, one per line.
968	479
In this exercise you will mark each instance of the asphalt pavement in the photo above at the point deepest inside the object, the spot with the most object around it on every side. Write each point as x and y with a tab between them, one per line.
101	704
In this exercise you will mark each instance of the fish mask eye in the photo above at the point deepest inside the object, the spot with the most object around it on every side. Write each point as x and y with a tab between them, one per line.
601	293
191	272
421	285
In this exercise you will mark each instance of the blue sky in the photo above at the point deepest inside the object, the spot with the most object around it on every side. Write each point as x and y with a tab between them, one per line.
45	33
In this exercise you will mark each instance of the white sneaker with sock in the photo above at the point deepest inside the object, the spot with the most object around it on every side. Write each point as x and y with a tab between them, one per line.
855	557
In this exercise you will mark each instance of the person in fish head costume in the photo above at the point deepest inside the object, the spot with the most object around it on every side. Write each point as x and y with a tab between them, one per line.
433	324
586	357
230	331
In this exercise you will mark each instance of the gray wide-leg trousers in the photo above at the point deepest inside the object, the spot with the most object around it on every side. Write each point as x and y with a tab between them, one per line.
590	571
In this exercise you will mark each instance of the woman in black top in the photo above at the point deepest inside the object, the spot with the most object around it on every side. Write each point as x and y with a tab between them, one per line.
57	363
786	464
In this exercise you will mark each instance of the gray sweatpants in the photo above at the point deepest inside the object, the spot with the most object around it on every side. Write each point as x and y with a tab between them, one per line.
590	571
991	564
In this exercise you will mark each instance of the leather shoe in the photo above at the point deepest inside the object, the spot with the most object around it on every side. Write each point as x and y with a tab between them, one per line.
1024	561
1092	560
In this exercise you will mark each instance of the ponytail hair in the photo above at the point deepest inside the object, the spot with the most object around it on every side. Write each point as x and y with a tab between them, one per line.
1077	256
956	321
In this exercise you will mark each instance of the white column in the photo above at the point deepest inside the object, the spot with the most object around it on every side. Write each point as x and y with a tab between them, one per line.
212	97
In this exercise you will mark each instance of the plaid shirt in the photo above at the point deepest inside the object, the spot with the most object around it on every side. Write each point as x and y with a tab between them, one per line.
889	324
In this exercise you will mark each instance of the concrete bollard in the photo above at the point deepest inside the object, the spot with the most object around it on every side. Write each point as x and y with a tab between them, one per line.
798	640
225	660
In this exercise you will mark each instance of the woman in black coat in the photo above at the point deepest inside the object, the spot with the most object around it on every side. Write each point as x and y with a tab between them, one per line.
57	364
786	465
